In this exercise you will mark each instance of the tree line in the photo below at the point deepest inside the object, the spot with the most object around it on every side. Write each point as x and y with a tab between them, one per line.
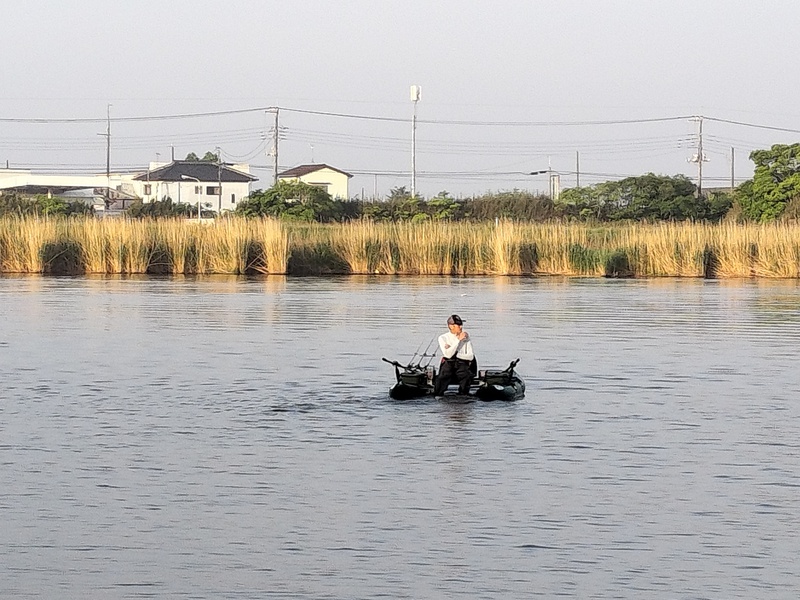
772	193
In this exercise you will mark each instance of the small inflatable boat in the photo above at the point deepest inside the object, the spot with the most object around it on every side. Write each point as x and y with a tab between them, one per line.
417	381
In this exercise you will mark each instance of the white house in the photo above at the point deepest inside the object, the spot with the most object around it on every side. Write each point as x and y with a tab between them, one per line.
332	180
217	186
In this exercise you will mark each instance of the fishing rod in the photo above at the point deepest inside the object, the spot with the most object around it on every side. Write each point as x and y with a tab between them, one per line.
411	362
423	355
430	356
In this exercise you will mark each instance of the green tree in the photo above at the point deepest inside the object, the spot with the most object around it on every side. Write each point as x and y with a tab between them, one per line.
646	197
443	208
399	194
776	181
207	157
293	200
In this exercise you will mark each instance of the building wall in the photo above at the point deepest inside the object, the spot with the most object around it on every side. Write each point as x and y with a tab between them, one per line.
187	192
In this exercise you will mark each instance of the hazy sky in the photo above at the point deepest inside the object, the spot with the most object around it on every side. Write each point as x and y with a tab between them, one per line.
522	78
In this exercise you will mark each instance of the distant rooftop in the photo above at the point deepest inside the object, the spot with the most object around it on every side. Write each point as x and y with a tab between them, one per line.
306	169
179	170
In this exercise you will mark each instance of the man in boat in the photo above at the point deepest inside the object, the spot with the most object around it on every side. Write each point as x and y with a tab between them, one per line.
457	358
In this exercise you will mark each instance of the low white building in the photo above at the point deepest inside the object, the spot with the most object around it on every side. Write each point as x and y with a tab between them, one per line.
332	180
216	187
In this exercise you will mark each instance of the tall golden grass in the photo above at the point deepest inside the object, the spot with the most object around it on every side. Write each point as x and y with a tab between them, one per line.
267	246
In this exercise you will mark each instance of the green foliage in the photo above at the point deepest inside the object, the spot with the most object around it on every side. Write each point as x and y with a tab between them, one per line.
293	201
207	157
15	204
442	207
647	197
398	194
776	181
160	208
62	257
514	204
618	265
584	260
718	205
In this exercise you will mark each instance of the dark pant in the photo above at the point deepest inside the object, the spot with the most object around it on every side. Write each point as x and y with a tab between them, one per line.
453	369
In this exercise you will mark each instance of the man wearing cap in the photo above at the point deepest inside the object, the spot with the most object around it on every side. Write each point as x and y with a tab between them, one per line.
457	358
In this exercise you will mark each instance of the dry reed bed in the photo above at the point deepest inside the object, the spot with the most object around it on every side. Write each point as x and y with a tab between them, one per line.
239	246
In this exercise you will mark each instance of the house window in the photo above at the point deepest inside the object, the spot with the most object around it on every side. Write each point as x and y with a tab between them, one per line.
233	198
148	189
212	190
198	190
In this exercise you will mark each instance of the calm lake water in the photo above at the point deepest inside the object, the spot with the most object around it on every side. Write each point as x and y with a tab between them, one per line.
231	438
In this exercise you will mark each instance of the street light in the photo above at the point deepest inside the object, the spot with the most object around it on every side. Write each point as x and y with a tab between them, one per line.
198	195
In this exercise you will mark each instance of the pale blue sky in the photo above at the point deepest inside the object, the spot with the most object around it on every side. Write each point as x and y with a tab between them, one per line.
542	61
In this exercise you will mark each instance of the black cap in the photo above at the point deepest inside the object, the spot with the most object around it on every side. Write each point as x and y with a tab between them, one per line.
454	320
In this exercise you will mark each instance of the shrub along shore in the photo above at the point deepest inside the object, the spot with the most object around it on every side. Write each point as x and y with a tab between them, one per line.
267	246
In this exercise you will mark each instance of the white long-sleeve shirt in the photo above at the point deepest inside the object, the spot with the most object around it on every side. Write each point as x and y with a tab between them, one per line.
451	346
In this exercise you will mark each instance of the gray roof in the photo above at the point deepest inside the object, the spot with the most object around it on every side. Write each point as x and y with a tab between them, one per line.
306	169
205	171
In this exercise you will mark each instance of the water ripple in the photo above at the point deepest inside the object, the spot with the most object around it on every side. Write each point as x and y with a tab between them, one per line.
227	437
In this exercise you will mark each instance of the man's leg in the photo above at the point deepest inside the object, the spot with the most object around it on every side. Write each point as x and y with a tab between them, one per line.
443	378
464	376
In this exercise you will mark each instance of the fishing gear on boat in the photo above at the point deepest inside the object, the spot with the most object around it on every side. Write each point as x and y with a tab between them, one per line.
423	355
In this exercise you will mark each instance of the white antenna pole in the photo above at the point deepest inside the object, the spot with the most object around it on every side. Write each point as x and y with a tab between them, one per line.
416	94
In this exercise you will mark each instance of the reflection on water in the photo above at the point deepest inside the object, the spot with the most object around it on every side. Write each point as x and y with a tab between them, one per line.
222	437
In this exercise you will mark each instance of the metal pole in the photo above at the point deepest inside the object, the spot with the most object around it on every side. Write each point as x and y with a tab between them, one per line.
414	152
577	168
219	181
275	150
733	172
108	146
700	159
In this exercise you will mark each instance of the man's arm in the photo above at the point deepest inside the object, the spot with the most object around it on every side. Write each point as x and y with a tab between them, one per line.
448	349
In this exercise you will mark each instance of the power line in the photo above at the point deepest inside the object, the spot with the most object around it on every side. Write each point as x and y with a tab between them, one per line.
752	125
218	113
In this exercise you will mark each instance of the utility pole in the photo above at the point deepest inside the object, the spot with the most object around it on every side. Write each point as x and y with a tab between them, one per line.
108	145
275	149
700	157
219	179
733	169
107	135
577	168
416	94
